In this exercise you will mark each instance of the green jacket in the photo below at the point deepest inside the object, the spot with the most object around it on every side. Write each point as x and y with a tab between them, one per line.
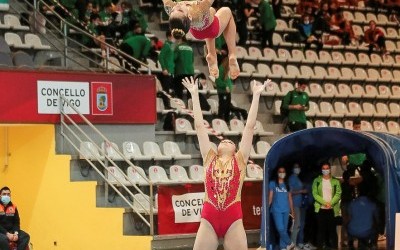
292	98
166	57
140	45
336	194
184	59
223	83
267	18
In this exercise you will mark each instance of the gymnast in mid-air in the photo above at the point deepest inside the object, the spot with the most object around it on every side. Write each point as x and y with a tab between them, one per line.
205	23
224	173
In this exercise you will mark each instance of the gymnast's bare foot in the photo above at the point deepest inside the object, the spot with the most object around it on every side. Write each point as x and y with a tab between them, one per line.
234	69
212	65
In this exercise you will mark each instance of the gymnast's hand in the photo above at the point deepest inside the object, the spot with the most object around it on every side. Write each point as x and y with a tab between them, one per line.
259	88
190	85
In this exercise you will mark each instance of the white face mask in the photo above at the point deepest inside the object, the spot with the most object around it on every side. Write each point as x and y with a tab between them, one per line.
306	22
326	171
296	170
282	175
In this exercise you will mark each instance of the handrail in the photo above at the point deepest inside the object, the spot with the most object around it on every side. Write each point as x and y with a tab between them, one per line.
64	124
84	32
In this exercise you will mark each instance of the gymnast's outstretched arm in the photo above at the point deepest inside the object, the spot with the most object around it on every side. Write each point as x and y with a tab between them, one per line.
204	140
247	137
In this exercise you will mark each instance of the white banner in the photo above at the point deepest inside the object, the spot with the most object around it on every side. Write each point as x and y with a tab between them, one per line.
187	207
76	92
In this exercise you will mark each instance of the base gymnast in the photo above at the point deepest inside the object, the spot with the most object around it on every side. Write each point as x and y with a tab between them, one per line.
204	23
225	170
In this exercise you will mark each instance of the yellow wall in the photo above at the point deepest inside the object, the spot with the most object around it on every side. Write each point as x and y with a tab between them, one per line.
52	208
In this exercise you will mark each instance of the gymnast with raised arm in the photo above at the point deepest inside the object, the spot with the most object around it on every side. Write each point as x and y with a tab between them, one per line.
225	170
205	23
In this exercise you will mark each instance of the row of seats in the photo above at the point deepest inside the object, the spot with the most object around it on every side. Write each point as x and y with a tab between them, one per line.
179	106
11	22
319	73
391	127
131	151
19	59
341	90
183	126
31	41
177	174
297	56
353	109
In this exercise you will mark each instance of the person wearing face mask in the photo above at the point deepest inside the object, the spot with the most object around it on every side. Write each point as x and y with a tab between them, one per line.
281	204
327	192
297	102
309	33
10	231
297	189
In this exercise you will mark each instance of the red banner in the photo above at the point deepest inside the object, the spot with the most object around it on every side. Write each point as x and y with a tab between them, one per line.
181	205
33	97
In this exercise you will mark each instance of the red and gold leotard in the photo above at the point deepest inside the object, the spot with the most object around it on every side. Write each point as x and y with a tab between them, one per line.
223	185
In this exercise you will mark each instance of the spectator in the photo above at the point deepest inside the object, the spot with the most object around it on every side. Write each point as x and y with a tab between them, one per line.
95	29
308	33
375	38
280	202
106	14
224	89
268	23
184	64
342	28
137	30
393	17
297	102
88	11
10	230
297	190
363	219
277	6
166	59
137	46
156	45
326	192
244	11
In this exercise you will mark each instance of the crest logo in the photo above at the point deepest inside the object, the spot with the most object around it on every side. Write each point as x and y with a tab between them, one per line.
101	98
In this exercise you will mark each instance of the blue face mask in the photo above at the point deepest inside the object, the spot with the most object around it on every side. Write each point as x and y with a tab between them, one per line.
326	172
5	199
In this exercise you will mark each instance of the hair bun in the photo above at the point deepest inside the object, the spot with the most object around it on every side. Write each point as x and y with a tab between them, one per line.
178	32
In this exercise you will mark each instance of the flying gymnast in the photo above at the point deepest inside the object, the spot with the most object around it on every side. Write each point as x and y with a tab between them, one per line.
205	23
225	170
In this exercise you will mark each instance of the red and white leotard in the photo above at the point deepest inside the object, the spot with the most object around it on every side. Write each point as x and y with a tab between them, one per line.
223	185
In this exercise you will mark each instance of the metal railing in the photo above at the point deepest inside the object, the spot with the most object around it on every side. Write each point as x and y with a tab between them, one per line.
63	31
69	129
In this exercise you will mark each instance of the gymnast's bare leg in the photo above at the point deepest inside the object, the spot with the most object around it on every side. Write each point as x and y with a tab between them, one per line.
206	238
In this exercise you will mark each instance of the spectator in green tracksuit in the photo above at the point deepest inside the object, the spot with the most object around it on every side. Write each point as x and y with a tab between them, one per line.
138	47
327	192
297	102
184	64
166	59
224	90
268	23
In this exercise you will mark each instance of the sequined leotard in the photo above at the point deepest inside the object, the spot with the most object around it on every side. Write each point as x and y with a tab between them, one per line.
203	24
223	185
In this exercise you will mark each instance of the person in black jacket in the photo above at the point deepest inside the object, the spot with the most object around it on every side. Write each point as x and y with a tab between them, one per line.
10	230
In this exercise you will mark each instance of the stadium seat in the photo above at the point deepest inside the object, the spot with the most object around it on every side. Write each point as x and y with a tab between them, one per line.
4	48
34	41
393	127
14	40
335	124
220	126
255	54
263	148
118	178
196	173
254	171
382	110
320	73
394	109
338	58
13	22
5	60
351	58
370	91
132	151
310	56
241	52
309	124
160	106
363	59
380	127
285	88
313	110
157	174
360	74
247	70
263	71
271	89
110	150
190	107
277	71
373	76
395	92
88	150
366	126
327	110
172	149
341	108
357	91
297	56
292	72
236	125
284	55
384	92
348	124
359	18
214	105
183	126
179	105
259	130
320	124
354	109
391	33
314	90
343	91
386	76
347	74
152	149
376	60
333	73
306	72
141	202
137	175
368	110
324	57
387	61
178	174
277	105
270	55
23	60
